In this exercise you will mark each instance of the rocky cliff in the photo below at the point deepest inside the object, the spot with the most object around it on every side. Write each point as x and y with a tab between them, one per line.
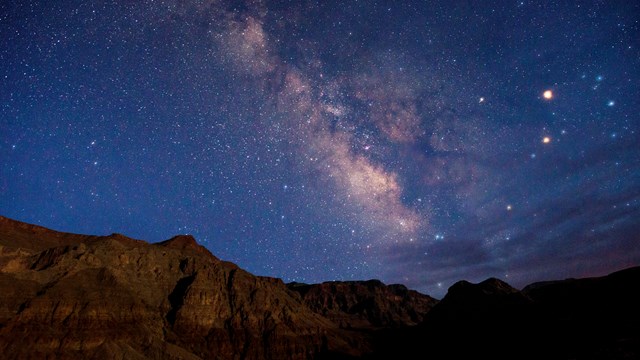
74	296
366	304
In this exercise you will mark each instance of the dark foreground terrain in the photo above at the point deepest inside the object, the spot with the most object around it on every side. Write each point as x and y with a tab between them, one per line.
104	297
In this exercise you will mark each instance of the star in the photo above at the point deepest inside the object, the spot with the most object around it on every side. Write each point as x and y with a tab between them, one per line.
611	103
547	94
546	140
509	207
481	100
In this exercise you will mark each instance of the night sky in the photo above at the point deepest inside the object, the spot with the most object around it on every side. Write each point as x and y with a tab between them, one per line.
416	142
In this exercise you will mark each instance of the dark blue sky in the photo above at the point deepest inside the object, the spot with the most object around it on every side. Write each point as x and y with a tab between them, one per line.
405	141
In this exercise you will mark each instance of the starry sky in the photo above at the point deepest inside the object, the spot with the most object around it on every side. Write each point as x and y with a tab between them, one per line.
416	142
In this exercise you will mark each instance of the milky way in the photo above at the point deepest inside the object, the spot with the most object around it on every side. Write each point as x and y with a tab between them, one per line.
413	142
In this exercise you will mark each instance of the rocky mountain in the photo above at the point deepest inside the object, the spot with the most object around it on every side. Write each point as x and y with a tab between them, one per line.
75	296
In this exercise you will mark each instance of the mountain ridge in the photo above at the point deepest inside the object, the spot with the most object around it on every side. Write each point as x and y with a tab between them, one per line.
84	296
80	296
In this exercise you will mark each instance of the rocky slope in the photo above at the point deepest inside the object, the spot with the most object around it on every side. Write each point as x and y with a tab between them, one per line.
73	296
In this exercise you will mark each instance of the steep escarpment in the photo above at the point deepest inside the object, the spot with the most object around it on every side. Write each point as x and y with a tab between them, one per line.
366	304
78	296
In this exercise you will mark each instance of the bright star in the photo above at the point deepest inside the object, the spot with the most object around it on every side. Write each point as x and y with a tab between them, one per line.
546	140
509	207
548	94
611	103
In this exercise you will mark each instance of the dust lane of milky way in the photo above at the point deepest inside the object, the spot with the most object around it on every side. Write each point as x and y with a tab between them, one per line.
420	143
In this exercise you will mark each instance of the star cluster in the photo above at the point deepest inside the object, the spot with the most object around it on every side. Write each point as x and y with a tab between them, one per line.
414	142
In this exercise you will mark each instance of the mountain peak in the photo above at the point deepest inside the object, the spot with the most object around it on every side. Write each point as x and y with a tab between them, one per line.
181	242
491	286
185	242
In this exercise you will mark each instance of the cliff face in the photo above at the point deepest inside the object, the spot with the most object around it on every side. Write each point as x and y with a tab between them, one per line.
78	296
366	304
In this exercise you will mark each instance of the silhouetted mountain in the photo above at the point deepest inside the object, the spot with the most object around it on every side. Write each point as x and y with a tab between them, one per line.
594	318
102	297
597	318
